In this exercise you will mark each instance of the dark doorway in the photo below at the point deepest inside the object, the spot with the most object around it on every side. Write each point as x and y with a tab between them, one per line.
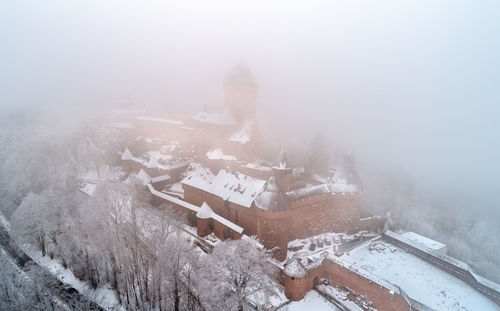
315	282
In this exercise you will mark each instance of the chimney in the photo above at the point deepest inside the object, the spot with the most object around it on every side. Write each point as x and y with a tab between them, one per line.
283	172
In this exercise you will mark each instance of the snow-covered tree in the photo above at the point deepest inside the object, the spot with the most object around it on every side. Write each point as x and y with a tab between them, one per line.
235	270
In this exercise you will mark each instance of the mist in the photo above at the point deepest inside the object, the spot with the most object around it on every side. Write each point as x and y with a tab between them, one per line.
412	88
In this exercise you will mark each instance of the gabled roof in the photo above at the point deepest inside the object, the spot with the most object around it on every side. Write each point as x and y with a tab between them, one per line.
142	178
199	177
127	155
236	187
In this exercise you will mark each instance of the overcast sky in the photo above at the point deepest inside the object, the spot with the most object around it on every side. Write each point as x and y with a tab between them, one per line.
413	85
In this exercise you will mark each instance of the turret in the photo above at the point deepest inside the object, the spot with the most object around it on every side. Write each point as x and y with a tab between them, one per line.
283	172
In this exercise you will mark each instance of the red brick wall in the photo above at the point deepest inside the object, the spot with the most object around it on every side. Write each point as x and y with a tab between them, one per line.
272	232
381	297
305	218
203	226
326	213
296	288
193	195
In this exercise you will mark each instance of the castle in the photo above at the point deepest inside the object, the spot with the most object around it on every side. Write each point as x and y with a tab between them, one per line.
209	168
272	201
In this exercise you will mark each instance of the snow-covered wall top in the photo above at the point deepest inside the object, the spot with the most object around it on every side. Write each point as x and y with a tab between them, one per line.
425	241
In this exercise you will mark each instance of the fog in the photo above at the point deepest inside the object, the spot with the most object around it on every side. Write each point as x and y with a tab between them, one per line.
411	87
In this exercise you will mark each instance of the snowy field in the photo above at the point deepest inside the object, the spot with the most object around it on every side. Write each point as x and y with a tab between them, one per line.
419	279
311	302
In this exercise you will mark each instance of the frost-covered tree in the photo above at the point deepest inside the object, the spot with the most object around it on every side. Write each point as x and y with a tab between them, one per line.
23	290
29	221
235	270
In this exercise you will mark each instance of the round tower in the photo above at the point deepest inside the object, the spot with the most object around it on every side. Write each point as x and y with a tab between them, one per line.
272	218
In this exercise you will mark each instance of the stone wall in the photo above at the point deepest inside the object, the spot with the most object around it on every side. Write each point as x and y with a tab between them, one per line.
324	213
305	218
382	297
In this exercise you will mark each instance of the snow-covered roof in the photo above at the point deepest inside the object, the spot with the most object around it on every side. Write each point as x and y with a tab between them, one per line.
259	167
271	197
425	241
172	199
243	134
142	178
127	155
217	118
160	120
199	177
160	178
154	162
236	187
295	268
218	154
204	211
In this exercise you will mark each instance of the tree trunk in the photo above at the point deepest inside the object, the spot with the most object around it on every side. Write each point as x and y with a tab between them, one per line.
176	296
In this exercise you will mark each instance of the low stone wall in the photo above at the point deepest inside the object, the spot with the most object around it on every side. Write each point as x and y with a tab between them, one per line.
389	298
373	224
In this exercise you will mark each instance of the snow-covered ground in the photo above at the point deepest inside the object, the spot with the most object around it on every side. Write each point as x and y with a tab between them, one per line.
262	300
311	302
419	279
24	280
103	296
339	295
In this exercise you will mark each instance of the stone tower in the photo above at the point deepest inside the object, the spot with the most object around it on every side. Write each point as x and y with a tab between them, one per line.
240	93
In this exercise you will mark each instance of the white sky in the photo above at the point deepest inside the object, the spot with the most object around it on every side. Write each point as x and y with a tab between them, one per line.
410	84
